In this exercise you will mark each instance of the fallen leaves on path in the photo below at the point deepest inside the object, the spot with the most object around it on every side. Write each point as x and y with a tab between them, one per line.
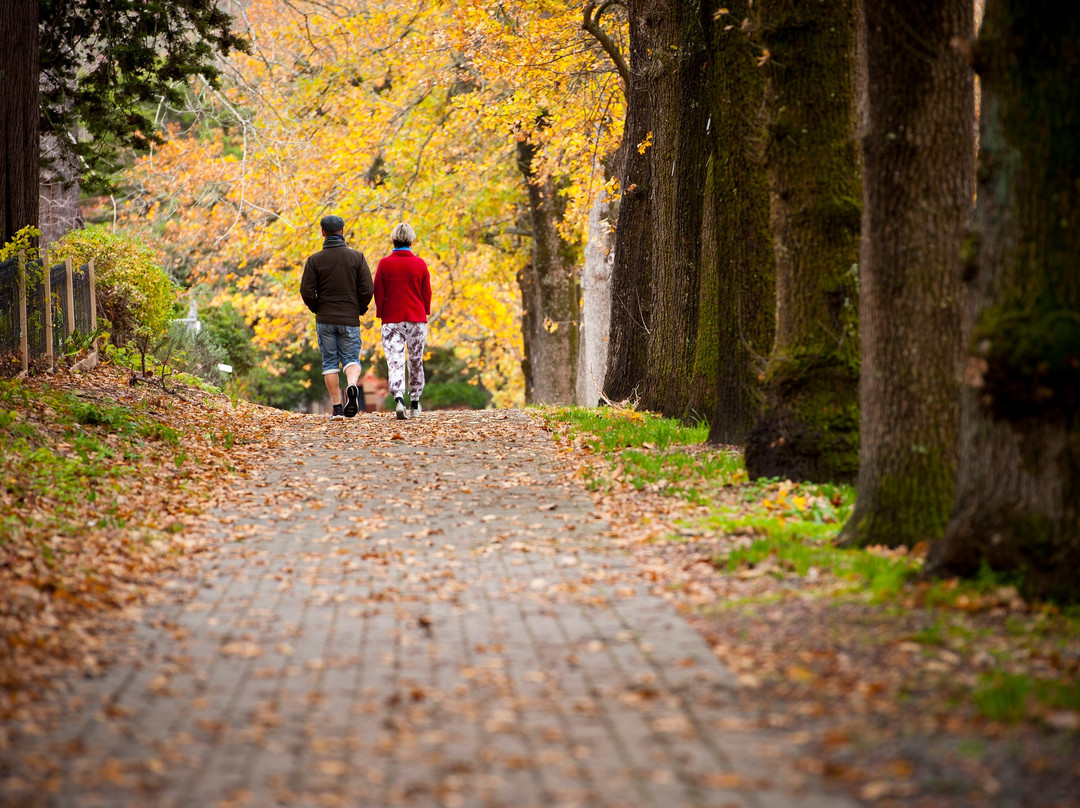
101	480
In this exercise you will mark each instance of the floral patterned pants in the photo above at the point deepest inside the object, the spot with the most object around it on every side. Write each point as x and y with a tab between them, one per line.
395	338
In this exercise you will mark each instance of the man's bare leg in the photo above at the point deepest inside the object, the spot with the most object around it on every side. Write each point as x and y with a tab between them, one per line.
352	374
333	387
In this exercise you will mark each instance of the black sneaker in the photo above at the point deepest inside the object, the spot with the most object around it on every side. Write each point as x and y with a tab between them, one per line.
353	395
337	414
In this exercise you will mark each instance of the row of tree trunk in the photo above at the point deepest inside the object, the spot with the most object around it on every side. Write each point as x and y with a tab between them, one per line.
798	259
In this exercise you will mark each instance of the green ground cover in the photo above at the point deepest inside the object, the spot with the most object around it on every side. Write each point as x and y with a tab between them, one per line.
788	530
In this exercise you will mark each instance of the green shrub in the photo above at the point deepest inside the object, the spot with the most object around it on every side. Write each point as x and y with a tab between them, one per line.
229	330
188	351
133	290
455	395
21	242
286	381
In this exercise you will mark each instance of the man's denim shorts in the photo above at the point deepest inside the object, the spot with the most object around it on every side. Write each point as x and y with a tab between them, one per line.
340	346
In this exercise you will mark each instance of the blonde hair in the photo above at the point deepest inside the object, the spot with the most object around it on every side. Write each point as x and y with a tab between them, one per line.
403	234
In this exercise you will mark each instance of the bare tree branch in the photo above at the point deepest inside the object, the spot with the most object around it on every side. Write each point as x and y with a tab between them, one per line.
593	11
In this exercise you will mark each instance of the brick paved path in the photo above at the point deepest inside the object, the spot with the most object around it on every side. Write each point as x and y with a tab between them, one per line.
421	622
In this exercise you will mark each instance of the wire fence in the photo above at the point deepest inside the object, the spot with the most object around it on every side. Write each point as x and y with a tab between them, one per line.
44	313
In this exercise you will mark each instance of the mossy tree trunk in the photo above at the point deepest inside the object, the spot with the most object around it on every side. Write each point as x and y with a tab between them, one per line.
1017	505
918	173
701	401
737	236
631	267
550	294
678	99
809	429
19	77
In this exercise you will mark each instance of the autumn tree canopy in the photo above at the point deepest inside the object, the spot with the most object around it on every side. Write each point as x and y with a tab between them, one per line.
382	112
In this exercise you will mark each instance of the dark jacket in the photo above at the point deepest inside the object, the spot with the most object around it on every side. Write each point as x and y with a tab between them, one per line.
337	285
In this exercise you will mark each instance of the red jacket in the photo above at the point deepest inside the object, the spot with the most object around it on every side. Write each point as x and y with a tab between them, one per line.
402	288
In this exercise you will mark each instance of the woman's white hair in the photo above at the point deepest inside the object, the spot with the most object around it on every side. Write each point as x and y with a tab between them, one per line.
403	234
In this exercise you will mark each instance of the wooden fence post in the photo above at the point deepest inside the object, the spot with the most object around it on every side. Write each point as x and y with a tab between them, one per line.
24	344
70	298
93	298
93	311
48	317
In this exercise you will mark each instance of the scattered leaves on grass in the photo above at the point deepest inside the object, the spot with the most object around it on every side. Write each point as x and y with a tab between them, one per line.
100	481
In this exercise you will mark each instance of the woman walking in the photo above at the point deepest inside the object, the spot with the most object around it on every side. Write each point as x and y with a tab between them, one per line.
403	303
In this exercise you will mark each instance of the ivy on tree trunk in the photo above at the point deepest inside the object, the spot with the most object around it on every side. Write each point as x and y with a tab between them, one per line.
1017	507
737	232
809	429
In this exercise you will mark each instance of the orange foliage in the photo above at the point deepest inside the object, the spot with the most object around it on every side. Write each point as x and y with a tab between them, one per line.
393	111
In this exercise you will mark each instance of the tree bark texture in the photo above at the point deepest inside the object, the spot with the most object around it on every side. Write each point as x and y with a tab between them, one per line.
809	429
918	172
550	294
19	76
530	307
737	233
631	268
595	305
1017	506
678	95
701	393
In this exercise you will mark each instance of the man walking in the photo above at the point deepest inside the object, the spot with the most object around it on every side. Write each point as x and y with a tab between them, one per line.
337	286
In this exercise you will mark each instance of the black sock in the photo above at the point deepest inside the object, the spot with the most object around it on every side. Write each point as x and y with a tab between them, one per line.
399	400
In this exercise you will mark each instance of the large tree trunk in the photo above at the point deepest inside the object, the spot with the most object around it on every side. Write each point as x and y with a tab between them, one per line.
549	293
918	169
739	237
701	393
631	268
810	427
1017	505
680	148
595	305
19	115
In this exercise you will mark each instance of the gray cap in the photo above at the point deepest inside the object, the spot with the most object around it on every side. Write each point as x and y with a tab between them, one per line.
332	224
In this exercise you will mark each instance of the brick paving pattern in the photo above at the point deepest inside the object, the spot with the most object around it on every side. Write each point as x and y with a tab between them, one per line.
428	621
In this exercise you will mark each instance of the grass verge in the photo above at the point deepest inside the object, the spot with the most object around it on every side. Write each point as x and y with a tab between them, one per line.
772	540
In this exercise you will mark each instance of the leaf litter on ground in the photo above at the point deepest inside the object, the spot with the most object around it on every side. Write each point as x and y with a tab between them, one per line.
907	692
101	480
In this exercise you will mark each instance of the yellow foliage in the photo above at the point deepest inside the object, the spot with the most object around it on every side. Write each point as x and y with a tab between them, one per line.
382	112
22	241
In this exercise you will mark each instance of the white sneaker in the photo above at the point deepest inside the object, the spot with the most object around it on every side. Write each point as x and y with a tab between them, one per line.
414	409
400	410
